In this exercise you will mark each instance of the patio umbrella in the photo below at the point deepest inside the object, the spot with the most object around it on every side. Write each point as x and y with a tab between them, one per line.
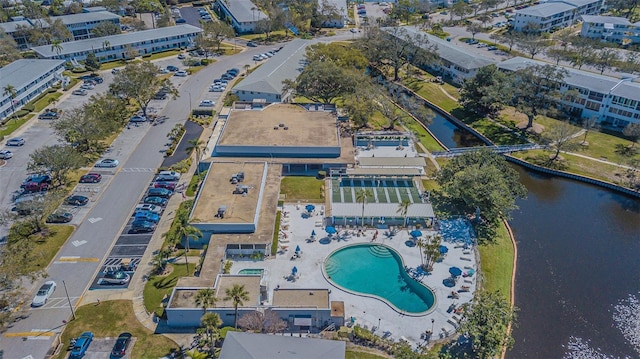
313	233
294	271
444	249
415	233
330	230
297	249
310	208
455	271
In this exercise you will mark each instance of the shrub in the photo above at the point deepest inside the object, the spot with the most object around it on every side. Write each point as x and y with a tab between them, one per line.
322	174
29	107
204	62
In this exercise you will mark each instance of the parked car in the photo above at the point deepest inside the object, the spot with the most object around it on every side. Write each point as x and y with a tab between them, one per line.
80	92
36	183
164	70
160	96
45	291
81	345
172	68
149	207
76	200
171	186
87	86
116	277
48	115
115	71
207	103
36	177
180	20
181	57
257	58
217	88
226	77
16	141
142	227
91	178
147	216
252	44
166	178
158	201
173	174
60	217
159	192
107	162
5	154
121	345
181	73
137	118
234	71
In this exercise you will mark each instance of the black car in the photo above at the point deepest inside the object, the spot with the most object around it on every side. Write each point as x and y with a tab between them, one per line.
172	68
121	346
160	96
60	217
48	115
76	200
142	226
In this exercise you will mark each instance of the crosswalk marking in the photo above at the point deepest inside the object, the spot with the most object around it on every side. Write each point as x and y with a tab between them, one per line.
77	243
94	220
134	169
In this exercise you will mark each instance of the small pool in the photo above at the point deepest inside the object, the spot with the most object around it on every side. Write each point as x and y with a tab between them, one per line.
375	270
457	230
251	271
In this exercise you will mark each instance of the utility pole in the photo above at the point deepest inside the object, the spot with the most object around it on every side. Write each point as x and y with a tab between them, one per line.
73	312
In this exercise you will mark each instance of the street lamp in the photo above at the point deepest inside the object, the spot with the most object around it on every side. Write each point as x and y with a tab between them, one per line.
432	321
190	110
379	319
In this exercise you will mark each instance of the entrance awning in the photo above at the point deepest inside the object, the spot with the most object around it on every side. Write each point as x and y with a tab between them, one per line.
303	322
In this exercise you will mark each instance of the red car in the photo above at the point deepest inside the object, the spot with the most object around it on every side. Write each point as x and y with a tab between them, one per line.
91	178
166	185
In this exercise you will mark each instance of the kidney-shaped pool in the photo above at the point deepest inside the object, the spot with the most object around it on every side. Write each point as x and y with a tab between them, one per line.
375	270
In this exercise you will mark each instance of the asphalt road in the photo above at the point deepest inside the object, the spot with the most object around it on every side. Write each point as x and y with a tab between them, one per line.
140	152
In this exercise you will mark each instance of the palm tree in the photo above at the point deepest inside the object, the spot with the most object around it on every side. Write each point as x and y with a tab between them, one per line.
211	322
187	231
106	44
206	298
238	295
361	196
10	91
403	209
160	260
56	45
196	145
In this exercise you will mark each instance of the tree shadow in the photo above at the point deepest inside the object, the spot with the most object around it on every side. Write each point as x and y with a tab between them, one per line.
627	151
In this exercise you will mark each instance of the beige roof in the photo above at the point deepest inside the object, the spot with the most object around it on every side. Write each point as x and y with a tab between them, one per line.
304	298
251	284
256	128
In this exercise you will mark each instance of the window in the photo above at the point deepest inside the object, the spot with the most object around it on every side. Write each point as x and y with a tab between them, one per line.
593	106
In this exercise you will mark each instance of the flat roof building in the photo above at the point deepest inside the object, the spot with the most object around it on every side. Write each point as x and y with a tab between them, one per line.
29	78
614	102
124	46
279	130
239	345
266	81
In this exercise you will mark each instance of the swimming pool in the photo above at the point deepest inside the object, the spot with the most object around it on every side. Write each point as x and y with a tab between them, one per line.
377	271
457	230
251	271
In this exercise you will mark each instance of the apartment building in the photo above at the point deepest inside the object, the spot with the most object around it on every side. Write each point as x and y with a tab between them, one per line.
618	30
614	102
554	15
244	14
124	46
29	78
80	25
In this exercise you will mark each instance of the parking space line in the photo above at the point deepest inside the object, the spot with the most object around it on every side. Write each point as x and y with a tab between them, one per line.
75	259
34	333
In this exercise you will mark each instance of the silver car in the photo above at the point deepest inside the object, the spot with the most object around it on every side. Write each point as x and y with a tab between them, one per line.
107	162
45	291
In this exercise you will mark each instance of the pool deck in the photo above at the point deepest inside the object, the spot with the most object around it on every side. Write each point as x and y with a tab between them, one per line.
368	312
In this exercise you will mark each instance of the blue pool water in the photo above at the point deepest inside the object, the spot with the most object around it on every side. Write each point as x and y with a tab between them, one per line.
457	231
251	271
372	269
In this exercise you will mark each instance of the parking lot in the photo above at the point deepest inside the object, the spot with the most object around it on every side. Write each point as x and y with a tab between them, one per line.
100	348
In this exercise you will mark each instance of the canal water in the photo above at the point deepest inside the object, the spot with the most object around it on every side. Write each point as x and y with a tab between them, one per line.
578	256
450	135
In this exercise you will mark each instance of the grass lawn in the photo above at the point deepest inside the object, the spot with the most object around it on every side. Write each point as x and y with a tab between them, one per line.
158	286
49	246
12	125
423	135
301	188
276	233
497	134
161	55
352	354
112	65
111	318
44	102
497	263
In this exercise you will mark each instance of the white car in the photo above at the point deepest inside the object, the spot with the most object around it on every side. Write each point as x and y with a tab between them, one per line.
257	58
5	154
207	103
217	88
87	86
107	162
45	291
181	73
174	174
137	118
148	207
163	71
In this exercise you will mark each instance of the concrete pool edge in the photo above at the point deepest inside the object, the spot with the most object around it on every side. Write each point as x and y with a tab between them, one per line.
431	309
